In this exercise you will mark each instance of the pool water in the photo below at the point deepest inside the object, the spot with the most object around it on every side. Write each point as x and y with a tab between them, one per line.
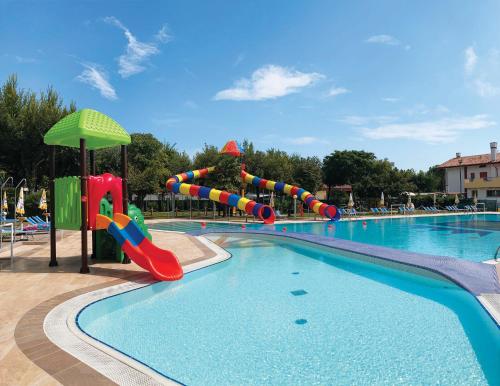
286	313
474	237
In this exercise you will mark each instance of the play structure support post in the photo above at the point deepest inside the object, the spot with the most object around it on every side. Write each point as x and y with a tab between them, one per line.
124	170
52	206
93	173
84	199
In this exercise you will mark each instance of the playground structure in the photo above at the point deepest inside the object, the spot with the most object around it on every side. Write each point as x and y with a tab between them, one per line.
75	200
325	210
177	184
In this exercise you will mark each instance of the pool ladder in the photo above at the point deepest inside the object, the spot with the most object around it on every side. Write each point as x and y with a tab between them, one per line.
496	254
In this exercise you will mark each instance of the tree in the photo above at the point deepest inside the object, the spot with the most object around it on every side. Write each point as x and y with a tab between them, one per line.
307	172
25	117
148	165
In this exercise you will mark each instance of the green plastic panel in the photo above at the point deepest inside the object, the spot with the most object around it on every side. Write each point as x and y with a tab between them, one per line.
99	131
106	246
68	203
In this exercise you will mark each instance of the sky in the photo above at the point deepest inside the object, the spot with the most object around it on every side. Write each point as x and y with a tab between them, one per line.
414	82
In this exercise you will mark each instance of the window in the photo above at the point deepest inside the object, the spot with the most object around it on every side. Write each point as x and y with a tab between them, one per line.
483	175
493	193
472	176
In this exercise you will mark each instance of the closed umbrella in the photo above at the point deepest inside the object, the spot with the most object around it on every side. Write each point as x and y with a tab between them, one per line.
271	200
475	199
409	204
20	203
382	201
5	206
350	203
457	201
43	201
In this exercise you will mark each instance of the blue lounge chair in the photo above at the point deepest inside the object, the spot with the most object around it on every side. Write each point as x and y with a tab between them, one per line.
384	210
374	210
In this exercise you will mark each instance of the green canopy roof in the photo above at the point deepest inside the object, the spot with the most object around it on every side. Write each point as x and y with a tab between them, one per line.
97	129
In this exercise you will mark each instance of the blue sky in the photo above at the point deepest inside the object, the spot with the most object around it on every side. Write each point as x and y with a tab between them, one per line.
413	82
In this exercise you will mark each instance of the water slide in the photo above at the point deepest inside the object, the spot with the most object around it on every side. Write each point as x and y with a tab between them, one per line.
162	264
176	184
329	211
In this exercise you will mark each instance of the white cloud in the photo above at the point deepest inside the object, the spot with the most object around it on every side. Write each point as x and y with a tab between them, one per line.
97	78
163	35
485	89
470	60
23	59
303	140
390	100
137	53
239	59
384	39
268	82
438	131
359	120
334	91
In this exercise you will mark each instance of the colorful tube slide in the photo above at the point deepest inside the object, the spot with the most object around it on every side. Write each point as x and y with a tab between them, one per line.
316	206
162	264
176	184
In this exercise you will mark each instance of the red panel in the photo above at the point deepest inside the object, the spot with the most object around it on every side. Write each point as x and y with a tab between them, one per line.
294	190
262	183
98	186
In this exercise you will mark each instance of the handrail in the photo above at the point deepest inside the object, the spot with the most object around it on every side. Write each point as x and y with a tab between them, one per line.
11	225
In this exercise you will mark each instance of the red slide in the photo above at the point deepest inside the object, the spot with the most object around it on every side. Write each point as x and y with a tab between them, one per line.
162	264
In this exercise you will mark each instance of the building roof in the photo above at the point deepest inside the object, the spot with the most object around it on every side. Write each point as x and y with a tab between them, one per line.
468	160
99	131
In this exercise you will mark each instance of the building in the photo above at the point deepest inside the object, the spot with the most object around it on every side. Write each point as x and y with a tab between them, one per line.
474	175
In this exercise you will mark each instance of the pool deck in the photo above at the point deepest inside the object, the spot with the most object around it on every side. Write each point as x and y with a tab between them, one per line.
30	289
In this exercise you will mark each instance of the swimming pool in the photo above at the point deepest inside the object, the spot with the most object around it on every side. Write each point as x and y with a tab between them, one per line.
286	313
472	237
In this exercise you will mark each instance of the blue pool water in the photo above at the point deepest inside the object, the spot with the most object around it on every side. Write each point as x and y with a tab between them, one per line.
285	313
473	237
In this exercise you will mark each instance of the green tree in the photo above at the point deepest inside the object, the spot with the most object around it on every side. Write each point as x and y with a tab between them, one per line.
25	117
307	172
148	165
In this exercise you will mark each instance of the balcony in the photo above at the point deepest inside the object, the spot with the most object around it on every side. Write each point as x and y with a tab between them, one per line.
482	183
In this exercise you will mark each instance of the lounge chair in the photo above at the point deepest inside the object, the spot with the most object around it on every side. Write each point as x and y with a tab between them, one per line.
384	210
375	210
279	214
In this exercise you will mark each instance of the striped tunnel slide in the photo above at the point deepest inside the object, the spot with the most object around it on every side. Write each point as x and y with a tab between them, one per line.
329	211
177	184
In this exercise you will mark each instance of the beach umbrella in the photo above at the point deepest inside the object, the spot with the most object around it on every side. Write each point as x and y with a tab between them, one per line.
475	199
43	201
232	148
271	200
350	203
382	201
20	203
457	201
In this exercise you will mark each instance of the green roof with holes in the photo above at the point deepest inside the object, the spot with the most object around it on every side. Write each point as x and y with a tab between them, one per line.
99	131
